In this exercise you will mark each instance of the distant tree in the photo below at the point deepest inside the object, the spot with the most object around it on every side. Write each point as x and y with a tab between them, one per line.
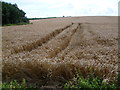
11	14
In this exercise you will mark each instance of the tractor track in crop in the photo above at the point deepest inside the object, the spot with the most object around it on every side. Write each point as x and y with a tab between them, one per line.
30	46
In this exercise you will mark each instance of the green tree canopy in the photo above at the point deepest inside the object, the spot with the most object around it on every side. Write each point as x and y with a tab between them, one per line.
11	14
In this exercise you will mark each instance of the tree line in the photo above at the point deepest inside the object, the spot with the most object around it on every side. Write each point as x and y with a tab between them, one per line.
11	14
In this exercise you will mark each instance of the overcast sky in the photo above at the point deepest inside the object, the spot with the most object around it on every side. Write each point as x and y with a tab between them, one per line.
57	8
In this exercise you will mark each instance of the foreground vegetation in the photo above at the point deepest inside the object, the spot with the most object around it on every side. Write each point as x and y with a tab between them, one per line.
15	84
78	82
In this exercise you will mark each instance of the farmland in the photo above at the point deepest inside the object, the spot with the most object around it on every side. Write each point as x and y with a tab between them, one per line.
51	51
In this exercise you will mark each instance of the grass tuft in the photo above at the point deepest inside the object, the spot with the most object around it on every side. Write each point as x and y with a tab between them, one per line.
15	84
79	82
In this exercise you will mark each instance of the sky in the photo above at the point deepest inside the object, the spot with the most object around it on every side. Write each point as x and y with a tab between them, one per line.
59	8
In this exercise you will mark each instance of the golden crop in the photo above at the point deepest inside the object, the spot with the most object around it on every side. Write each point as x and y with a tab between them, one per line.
85	46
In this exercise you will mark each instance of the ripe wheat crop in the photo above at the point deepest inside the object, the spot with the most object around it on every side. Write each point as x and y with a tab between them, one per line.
55	50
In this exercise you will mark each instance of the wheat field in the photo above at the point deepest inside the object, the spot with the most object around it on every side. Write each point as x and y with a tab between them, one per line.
51	51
